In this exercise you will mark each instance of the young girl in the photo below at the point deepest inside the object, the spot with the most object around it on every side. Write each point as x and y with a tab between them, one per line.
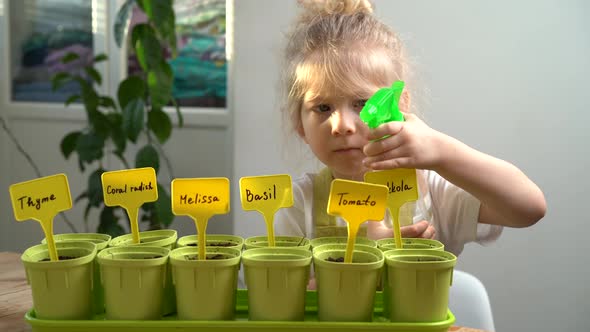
338	55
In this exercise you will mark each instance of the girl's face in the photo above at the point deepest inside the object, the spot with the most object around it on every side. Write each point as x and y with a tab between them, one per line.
334	91
331	126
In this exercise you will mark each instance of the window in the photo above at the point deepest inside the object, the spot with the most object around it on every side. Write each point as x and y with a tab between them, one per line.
41	33
200	67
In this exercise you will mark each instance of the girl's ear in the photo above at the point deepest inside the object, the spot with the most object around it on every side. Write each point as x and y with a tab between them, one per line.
405	101
300	130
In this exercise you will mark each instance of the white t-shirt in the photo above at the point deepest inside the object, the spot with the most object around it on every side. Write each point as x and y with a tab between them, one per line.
452	211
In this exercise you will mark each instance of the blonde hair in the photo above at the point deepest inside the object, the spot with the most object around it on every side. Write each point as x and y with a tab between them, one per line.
338	45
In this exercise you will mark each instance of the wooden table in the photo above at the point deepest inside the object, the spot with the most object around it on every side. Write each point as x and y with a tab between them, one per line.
15	294
16	300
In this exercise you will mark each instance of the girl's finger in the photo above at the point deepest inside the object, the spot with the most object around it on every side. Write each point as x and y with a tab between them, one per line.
386	155
429	233
414	230
389	128
402	162
377	147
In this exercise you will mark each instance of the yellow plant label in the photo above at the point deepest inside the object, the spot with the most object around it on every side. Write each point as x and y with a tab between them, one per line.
356	202
41	199
201	197
130	189
402	186
266	194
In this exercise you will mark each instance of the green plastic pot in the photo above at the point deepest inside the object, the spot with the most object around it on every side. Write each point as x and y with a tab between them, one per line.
163	238
61	289
213	240
341	240
134	280
101	241
407	244
276	279
280	242
346	291
205	289
411	243
417	285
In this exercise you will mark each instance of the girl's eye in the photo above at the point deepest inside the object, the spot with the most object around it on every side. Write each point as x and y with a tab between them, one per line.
360	103
323	108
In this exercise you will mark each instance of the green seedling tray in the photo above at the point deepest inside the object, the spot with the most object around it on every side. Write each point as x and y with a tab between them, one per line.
241	324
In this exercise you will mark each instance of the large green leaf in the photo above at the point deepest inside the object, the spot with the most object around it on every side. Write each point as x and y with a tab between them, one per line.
72	99
89	147
89	96
133	118
100	124
161	13
133	87
160	85
95	197
99	58
148	157
117	134
159	123
164	207
108	102
69	57
68	143
121	21
59	79
94	74
147	47
109	222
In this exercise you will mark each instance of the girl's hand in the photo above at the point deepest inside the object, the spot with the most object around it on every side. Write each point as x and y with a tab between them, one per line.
422	229
409	144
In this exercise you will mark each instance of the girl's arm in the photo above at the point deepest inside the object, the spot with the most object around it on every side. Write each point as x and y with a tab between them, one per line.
508	197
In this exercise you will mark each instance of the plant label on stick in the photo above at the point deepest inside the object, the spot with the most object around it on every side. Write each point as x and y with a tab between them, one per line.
130	189
356	202
200	199
402	186
42	199
267	194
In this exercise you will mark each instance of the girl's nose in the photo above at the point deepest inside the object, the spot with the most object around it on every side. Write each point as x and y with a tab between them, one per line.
343	122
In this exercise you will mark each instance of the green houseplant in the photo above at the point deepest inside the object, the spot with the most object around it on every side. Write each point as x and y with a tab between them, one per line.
113	125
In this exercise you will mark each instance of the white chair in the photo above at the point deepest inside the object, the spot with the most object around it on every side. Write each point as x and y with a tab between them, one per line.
469	302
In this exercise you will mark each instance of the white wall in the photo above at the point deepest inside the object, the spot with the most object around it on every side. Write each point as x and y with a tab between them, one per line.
506	77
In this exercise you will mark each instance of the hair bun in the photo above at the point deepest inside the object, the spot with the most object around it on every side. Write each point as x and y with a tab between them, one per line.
330	7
